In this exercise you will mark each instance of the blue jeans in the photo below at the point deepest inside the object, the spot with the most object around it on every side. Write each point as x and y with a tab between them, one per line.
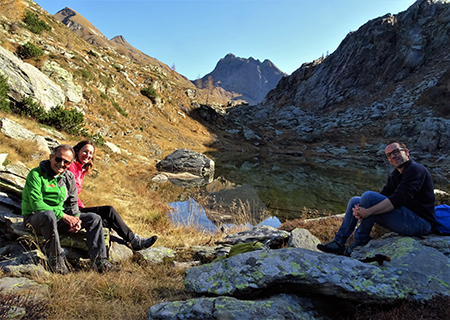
401	220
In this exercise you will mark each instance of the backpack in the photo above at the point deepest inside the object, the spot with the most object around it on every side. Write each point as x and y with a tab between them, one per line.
443	218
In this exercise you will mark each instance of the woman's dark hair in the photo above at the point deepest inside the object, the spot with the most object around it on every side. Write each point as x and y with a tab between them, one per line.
90	165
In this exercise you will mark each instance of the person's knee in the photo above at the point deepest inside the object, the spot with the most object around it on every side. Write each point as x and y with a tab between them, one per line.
354	201
48	217
371	198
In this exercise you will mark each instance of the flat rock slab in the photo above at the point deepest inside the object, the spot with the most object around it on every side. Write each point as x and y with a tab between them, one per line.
24	286
416	272
278	307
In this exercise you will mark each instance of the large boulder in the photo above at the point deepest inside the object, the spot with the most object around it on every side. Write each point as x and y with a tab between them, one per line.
185	160
417	271
26	80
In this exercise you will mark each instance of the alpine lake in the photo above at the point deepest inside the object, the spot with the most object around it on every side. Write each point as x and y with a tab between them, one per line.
270	189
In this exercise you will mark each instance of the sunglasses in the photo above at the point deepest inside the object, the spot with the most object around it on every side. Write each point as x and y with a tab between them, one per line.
394	152
64	161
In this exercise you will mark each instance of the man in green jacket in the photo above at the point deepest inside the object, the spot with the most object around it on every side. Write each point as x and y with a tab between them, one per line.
49	207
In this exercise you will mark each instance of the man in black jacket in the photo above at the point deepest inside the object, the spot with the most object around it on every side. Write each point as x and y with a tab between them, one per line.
405	205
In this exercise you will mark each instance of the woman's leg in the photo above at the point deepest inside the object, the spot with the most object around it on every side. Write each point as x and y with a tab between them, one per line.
113	220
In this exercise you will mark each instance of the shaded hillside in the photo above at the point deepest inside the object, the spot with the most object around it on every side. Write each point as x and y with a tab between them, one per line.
387	80
250	78
373	62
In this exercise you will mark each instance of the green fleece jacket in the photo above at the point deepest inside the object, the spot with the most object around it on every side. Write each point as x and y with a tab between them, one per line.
45	191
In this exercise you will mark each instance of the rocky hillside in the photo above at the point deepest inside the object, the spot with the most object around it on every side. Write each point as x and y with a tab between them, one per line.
80	68
250	78
387	80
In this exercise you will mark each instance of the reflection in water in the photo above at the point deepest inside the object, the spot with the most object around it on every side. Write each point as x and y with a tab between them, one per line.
190	213
253	188
290	187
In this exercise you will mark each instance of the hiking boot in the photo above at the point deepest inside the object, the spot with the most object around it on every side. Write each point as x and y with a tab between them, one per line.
348	252
58	264
139	243
103	265
332	247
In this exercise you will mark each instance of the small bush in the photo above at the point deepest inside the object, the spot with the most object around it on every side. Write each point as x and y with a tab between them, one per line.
115	66
70	121
149	92
57	117
28	108
92	53
119	109
83	73
4	101
29	50
31	22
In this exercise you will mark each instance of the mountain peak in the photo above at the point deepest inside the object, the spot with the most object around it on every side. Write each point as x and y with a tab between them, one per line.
248	77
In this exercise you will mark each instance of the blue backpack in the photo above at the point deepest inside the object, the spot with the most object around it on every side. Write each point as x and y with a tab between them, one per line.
443	218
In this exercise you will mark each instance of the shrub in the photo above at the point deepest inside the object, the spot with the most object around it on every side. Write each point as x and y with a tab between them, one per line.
31	22
29	50
92	53
149	92
57	117
4	101
115	66
85	74
28	108
119	109
70	121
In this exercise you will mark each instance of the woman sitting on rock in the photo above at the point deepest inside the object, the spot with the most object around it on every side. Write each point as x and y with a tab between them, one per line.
84	163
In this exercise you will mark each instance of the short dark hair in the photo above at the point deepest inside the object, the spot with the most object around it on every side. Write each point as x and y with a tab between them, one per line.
63	147
401	144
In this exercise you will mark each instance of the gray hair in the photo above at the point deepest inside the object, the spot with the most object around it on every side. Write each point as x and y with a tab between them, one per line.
63	147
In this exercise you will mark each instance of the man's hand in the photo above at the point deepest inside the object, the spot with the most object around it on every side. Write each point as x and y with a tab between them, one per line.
73	221
360	212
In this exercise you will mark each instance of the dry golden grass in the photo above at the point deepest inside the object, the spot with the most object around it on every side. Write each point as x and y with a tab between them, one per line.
127	294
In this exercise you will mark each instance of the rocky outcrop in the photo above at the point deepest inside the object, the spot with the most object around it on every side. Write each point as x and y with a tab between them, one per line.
249	77
26	80
73	92
408	276
417	271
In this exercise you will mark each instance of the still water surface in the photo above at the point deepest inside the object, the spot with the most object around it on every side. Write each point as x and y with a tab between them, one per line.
277	188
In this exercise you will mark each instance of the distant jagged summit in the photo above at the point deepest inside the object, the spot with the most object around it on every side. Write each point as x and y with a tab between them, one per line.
248	77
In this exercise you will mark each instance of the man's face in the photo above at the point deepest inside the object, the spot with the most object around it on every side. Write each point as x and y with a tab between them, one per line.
396	155
60	161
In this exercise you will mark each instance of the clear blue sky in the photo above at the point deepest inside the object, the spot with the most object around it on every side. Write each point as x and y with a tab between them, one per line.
194	35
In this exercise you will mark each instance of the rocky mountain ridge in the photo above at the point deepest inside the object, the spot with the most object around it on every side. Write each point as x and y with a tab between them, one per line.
250	78
387	80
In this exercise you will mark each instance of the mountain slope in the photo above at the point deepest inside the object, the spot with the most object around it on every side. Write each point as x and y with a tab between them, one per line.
85	30
388	80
